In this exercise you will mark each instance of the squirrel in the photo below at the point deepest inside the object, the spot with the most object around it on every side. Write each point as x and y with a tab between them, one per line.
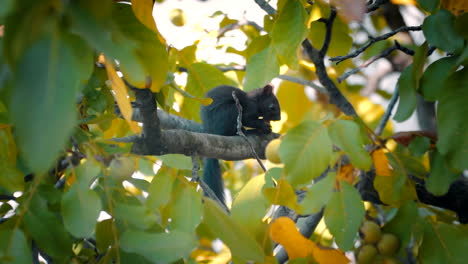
259	107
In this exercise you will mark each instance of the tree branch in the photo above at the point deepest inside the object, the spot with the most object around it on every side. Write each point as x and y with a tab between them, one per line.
358	51
374	5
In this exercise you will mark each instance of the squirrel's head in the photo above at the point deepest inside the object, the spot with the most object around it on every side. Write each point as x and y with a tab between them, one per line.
269	105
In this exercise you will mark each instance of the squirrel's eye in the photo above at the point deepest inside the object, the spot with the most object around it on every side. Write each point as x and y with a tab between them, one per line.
271	106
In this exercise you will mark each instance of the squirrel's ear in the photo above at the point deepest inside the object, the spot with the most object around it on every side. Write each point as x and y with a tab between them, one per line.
268	89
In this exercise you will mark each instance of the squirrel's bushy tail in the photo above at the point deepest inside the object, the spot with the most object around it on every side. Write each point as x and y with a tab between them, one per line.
213	178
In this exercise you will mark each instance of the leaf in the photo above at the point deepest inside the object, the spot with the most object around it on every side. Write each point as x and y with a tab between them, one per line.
451	120
239	241
381	163
407	88
143	10
135	215
105	232
456	7
306	151
441	177
150	51
14	248
318	195
394	189
293	101
433	79
158	247
429	5
439	30
186	208
290	18
403	224
284	231
261	68
283	194
419	60
177	161
160	190
121	96
250	206
443	243
347	136
46	229
43	100
80	211
341	40
344	214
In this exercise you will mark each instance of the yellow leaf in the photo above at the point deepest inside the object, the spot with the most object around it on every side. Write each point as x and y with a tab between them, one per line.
382	167
283	194
284	231
457	7
121	96
143	10
404	2
347	173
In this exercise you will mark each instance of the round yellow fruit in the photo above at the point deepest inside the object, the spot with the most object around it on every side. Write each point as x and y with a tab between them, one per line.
122	168
177	17
366	254
370	232
388	245
272	151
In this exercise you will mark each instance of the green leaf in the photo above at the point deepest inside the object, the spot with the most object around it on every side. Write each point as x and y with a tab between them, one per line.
160	190
341	40
105	234
177	161
407	88
347	136
80	210
306	151
396	188
441	176
419	60
250	206
186	208
87	172
451	120
158	247
429	5
43	100
318	195
344	214
432	82
439	30
150	52
239	241
403	223
443	243
419	146
261	68
291	18
135	216
90	23
47	230
14	248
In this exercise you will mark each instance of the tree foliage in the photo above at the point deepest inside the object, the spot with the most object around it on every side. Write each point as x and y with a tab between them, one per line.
83	182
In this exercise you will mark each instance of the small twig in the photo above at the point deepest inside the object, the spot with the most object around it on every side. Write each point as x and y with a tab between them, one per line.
303	82
206	189
266	7
387	114
328	33
239	130
231	68
358	51
374	5
195	169
385	53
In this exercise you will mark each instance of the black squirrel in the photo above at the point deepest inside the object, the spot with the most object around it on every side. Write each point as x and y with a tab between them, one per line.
259	107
